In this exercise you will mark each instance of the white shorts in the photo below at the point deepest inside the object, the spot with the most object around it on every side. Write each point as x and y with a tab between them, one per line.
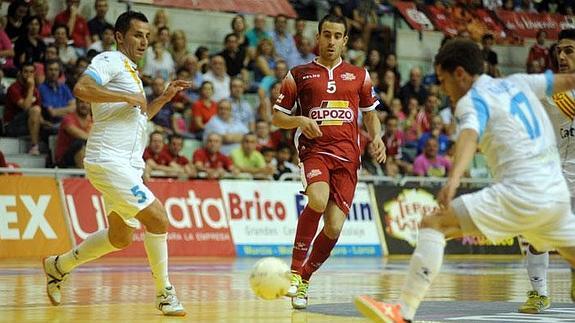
503	211
122	187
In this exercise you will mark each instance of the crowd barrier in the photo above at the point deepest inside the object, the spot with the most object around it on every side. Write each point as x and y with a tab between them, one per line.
42	215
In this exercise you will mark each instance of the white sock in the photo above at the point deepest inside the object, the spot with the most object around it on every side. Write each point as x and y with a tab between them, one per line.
537	271
423	268
157	250
96	245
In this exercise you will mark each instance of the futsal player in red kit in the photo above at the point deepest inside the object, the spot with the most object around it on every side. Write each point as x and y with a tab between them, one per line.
322	99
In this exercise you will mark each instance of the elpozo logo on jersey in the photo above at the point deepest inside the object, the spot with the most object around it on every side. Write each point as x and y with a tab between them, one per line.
332	113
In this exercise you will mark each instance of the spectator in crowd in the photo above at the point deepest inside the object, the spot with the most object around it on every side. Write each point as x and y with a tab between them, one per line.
539	52
180	165
489	55
163	119
154	157
242	110
430	163
411	126
388	91
7	54
17	11
234	56
413	87
265	107
299	27
77	25
355	54
66	52
283	41
190	64
161	20
30	47
265	60
202	53
280	71
185	97
160	65
283	162
374	62
258	33
393	139
390	63
239	29
264	136
41	8
219	78
106	41
163	37
437	133
57	98
179	47
203	109
396	110
424	116
304	54
225	125
23	114
81	66
269	157
248	160
98	24
72	136
210	160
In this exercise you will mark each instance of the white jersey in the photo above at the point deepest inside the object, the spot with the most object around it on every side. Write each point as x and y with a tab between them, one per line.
515	133
561	110
119	130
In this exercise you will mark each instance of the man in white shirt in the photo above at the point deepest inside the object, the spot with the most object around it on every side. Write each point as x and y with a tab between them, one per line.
219	78
224	124
114	163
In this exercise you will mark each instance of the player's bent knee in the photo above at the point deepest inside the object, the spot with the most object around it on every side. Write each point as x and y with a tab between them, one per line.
318	200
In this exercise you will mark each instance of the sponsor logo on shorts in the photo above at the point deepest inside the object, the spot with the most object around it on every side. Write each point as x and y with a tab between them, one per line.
347	76
313	173
332	113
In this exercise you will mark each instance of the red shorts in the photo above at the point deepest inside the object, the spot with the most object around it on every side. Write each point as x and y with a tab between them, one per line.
340	175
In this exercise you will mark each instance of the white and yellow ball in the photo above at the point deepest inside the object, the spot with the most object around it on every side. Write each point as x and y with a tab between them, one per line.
270	278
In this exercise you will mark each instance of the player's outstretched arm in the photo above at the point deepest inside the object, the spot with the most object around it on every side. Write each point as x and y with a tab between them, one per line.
308	126
465	148
173	88
88	90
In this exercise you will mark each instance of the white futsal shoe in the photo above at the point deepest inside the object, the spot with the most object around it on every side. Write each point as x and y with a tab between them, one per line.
54	279
294	284
299	302
169	304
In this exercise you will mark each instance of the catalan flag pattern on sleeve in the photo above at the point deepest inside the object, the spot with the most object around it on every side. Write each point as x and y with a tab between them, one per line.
565	102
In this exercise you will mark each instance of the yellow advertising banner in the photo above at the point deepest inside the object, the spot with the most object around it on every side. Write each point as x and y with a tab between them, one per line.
32	219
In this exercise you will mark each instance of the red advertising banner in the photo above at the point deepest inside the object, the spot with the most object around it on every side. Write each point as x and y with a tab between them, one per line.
415	18
527	24
267	7
199	225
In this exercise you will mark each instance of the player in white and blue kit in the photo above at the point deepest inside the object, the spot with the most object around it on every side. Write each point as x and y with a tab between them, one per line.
506	119
114	163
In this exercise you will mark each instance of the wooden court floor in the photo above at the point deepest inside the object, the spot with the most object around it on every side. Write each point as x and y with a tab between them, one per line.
469	289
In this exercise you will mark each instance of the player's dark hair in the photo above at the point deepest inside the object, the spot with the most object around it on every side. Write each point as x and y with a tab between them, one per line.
460	52
124	20
567	34
333	19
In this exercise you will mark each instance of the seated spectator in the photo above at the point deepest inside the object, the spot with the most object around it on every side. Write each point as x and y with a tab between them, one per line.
160	64
356	52
304	55
283	40
98	24
219	78
489	55
264	136
234	56
387	90
161	20
179	47
66	52
203	109
73	76
437	133
210	160
57	98
51	53
154	157
180	165
72	136
280	71
258	33
283	162
393	139
225	125
190	64
163	119
18	10
248	160
298	36
239	29
23	113
411	127
539	53
265	60
30	47
7	54
413	87
265	107
242	110
106	41
424	116
202	53
41	8
430	163
77	25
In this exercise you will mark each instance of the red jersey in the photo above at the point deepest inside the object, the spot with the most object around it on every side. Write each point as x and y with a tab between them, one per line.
167	155
333	97
64	138
541	54
212	161
80	32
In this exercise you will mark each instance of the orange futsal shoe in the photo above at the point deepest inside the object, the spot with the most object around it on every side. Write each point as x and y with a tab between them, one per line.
379	312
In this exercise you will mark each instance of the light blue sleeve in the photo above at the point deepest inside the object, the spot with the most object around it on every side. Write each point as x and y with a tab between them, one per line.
540	84
472	113
102	69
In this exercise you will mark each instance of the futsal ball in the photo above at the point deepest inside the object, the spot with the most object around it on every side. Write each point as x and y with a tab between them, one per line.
270	278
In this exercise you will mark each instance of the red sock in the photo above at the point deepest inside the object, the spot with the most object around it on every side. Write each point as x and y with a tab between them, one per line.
306	228
322	247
